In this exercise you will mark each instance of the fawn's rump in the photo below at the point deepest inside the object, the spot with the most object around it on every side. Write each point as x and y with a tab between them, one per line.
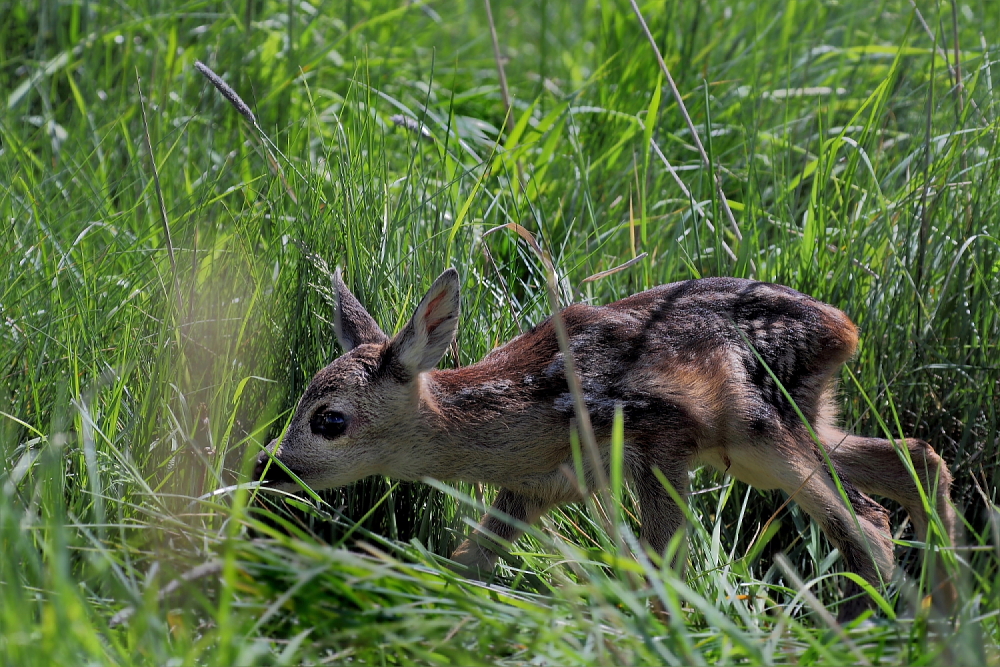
719	350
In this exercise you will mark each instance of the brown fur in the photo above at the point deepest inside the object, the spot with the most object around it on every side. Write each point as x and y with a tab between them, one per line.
700	369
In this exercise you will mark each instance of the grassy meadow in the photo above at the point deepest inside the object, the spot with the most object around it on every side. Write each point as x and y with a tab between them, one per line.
165	297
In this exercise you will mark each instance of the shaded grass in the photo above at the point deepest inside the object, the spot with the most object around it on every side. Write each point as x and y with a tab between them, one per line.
133	385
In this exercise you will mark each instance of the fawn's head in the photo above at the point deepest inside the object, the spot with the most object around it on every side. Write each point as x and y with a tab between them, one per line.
358	416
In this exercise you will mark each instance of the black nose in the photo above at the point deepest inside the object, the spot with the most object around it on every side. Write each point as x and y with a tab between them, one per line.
275	473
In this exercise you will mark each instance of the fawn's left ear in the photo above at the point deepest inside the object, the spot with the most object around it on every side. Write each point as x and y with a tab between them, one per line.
351	322
425	338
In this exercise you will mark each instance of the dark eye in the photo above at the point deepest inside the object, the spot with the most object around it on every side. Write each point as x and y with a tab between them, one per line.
328	424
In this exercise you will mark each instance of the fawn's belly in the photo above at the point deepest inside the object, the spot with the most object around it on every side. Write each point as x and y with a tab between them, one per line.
749	464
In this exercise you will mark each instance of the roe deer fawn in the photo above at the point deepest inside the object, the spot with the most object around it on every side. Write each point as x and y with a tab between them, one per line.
684	361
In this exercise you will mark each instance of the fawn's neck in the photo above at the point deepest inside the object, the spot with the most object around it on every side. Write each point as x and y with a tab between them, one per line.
472	419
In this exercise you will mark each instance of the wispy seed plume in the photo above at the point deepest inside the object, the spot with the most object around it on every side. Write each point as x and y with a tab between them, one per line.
226	91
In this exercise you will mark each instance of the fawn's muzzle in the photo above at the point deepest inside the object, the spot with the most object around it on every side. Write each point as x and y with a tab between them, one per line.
276	475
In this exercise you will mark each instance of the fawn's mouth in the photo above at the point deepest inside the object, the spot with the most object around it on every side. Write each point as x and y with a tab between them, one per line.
273	474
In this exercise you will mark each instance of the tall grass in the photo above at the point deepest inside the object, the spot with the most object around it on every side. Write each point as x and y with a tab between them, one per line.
163	309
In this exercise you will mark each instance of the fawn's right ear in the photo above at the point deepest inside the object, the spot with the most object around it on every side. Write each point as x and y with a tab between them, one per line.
425	338
351	322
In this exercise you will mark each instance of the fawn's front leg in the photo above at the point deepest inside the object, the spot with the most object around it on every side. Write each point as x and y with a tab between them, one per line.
660	515
478	553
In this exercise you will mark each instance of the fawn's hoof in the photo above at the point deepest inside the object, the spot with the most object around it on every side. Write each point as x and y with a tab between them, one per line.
473	560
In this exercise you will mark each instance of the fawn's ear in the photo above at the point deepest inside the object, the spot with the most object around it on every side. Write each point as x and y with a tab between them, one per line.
351	322
423	341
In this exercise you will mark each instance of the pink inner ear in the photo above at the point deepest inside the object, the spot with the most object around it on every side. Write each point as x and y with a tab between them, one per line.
432	305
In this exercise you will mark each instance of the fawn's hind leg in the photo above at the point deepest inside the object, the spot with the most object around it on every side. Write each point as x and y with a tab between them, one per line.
875	466
798	469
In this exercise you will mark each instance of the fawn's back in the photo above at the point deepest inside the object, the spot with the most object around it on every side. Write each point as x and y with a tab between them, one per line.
704	356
